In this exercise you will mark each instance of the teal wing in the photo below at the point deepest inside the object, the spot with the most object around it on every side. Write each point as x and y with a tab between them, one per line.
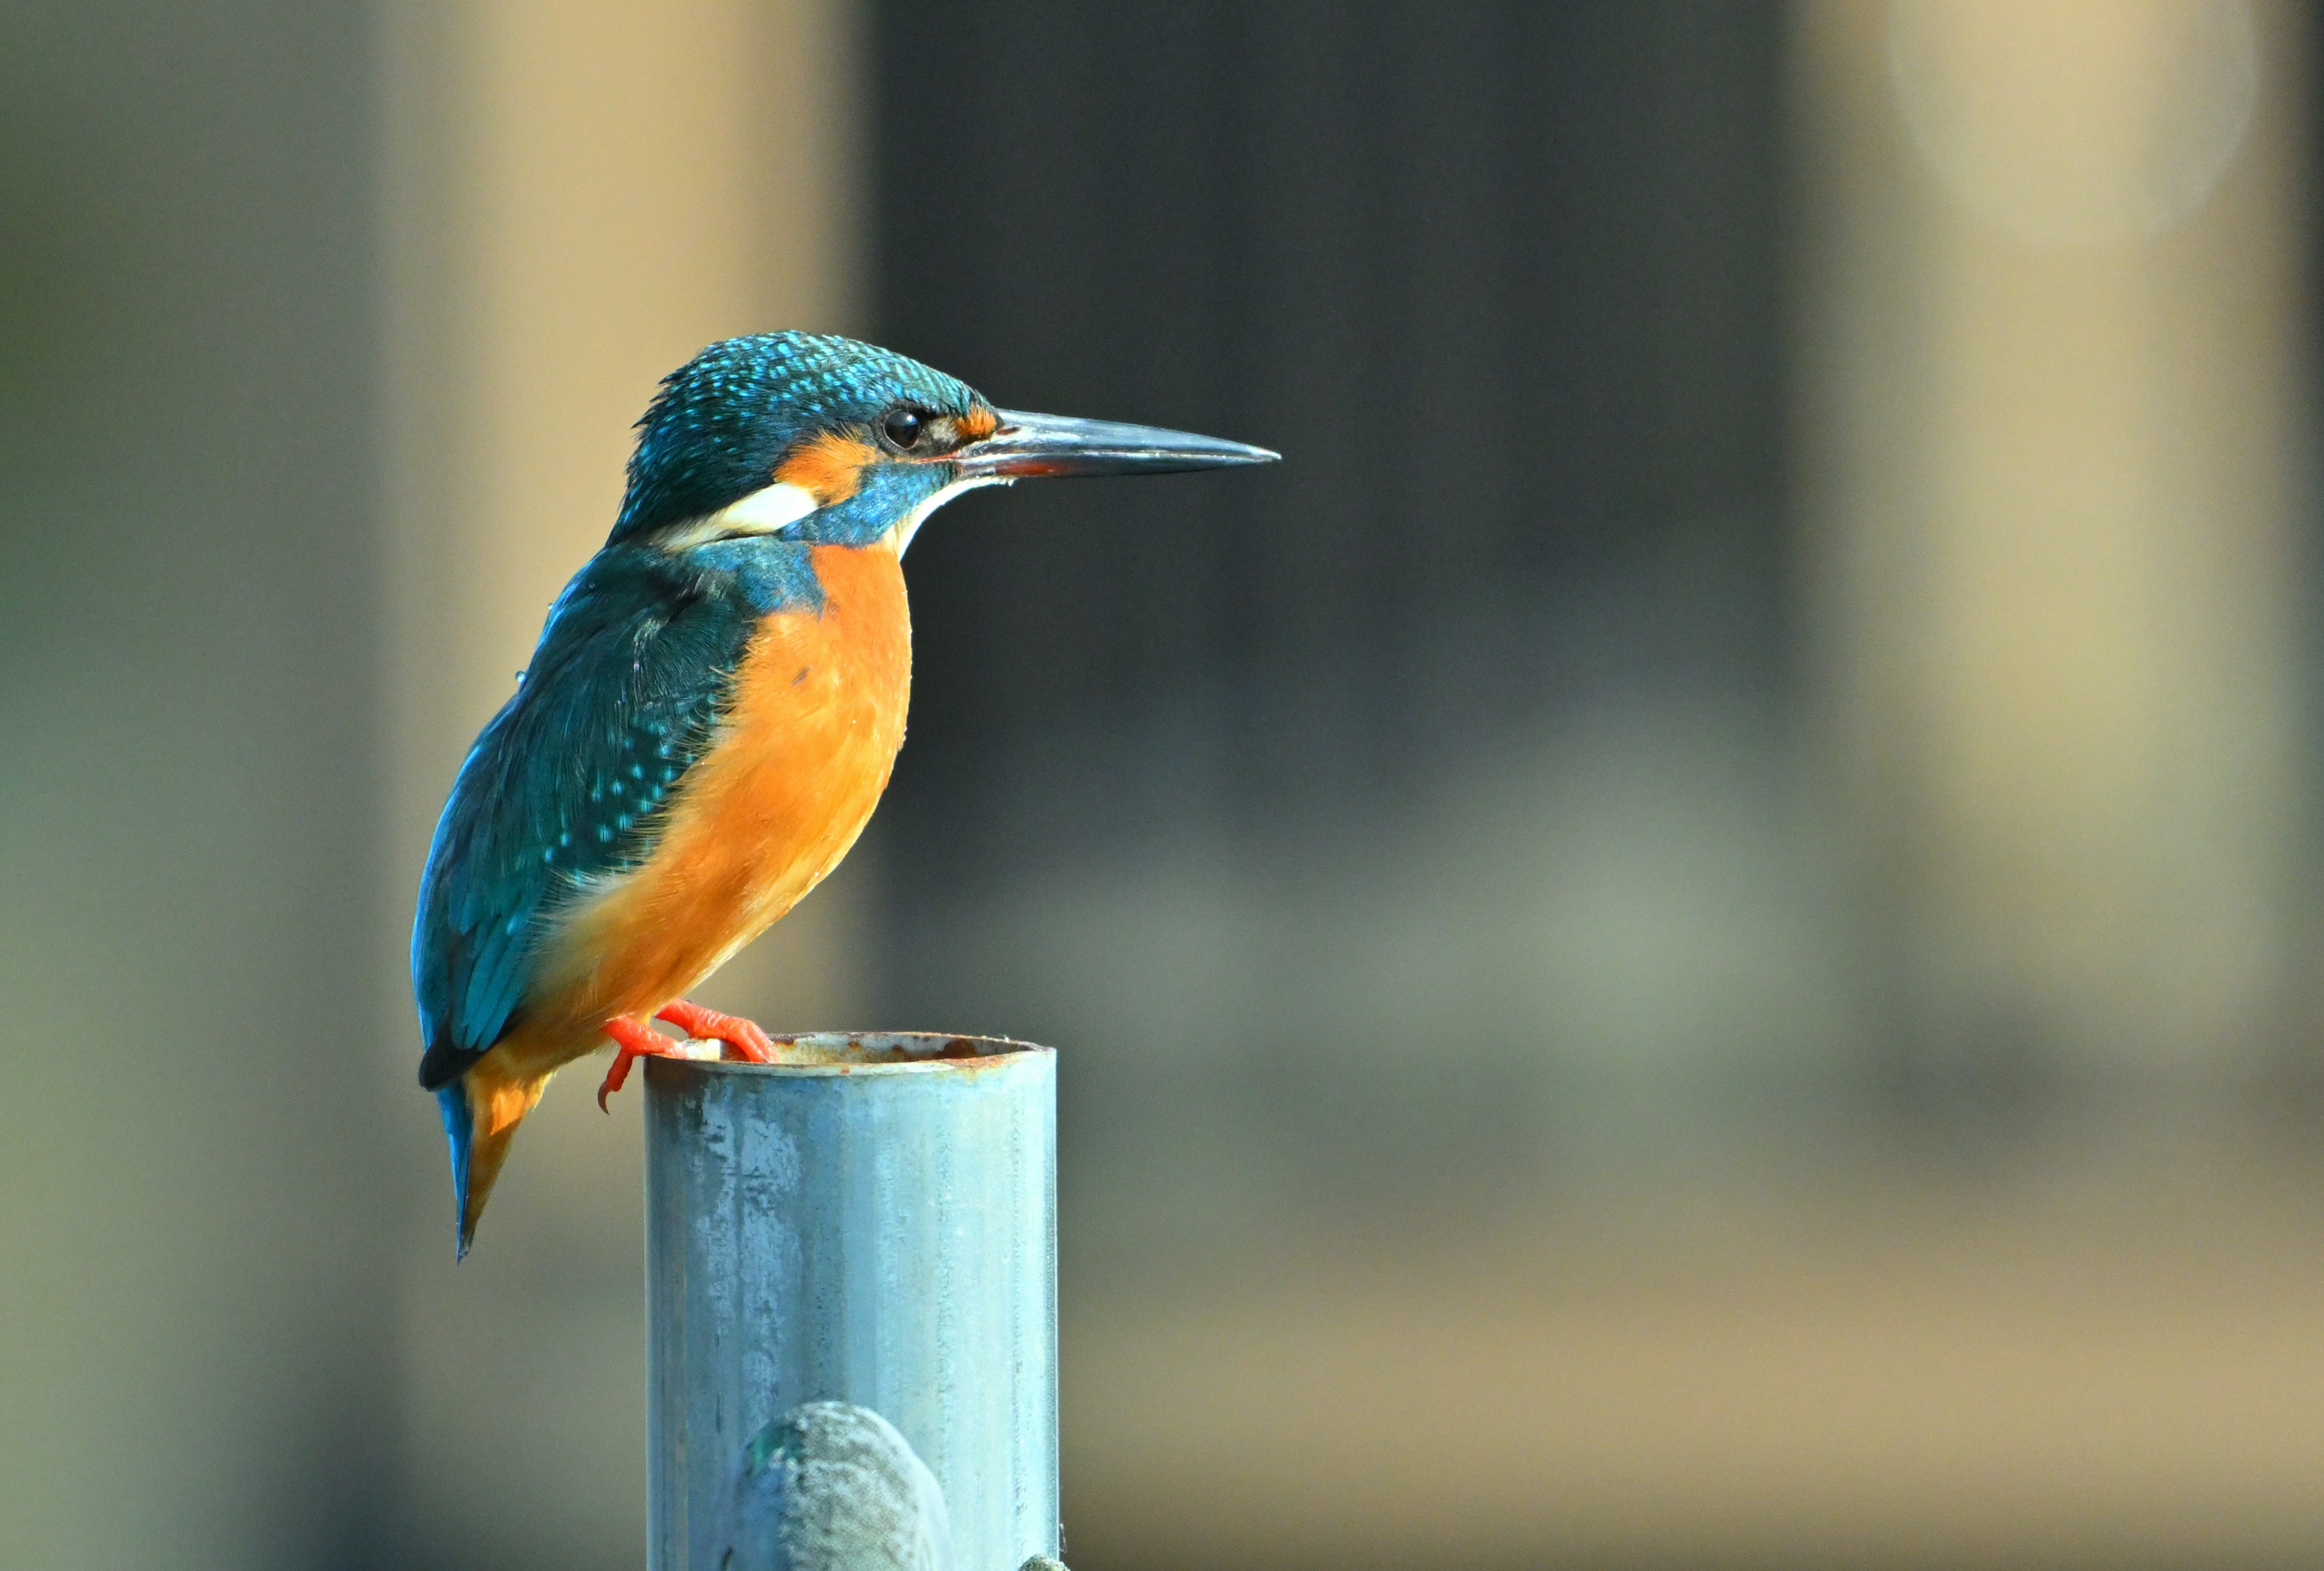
565	788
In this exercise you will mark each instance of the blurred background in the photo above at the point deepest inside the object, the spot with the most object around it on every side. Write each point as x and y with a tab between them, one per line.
1693	938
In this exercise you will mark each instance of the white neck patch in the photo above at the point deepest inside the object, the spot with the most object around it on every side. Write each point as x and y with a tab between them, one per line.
772	508
912	522
763	511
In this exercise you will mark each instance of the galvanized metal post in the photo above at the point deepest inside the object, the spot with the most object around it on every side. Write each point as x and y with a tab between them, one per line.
872	1222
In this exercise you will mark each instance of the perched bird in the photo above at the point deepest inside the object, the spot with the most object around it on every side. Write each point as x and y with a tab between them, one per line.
709	717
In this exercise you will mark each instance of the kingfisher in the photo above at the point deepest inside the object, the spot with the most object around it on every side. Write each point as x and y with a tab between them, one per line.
709	718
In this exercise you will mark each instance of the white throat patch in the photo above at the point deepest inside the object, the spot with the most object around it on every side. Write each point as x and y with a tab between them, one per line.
910	524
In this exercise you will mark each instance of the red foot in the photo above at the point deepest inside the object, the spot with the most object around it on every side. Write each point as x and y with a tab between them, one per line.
708	1025
634	1039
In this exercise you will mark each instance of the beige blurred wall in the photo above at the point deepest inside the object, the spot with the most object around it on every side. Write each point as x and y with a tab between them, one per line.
193	1173
577	198
2052	343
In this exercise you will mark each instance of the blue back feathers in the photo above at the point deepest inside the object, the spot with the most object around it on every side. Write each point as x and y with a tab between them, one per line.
566	785
722	421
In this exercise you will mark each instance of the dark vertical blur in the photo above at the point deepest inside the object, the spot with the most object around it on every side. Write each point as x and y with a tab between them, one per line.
198	1368
1503	283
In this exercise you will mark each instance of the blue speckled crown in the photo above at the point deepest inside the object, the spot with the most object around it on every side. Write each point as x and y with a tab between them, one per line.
714	432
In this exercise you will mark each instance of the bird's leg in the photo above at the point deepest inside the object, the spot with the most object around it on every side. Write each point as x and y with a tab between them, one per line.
708	1025
632	1040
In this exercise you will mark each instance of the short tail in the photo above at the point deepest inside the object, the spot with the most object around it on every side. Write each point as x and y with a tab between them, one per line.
481	1111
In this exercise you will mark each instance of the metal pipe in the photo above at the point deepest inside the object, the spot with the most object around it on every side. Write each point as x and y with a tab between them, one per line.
872	1221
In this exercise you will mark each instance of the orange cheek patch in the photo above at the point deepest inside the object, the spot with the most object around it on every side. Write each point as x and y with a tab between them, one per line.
978	424
829	467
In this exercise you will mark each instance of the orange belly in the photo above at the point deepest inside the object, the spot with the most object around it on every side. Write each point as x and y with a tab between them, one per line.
806	749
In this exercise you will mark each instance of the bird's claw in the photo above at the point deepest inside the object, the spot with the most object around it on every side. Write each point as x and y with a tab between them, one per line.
747	1038
634	1039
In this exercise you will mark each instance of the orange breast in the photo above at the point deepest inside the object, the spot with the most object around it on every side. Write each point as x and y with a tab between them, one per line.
809	738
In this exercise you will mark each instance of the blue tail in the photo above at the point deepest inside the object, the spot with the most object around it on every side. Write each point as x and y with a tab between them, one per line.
459	1129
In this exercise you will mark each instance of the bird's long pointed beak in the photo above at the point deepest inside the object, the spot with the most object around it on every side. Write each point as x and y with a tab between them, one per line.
1029	446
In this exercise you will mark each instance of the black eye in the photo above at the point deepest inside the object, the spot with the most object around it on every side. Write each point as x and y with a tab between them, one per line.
902	426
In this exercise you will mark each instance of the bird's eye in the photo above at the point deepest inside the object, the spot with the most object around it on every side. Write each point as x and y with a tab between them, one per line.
903	427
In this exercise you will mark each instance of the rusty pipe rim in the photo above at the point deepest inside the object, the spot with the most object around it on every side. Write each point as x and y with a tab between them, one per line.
823	1053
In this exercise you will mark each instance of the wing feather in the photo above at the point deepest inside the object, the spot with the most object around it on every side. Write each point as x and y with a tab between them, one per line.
567	785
